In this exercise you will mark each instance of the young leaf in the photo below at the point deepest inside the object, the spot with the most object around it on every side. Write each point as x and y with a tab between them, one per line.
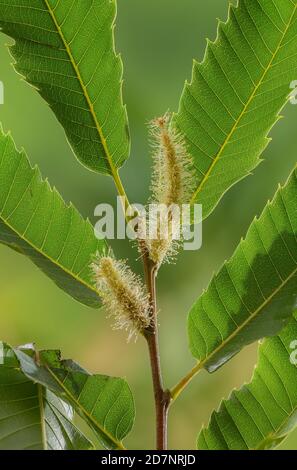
66	50
236	94
105	403
261	414
31	416
255	292
35	221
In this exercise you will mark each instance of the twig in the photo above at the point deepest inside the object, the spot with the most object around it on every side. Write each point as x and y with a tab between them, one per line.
184	382
162	397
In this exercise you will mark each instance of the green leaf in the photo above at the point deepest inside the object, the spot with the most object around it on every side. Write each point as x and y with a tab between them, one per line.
35	221
105	403
261	414
66	50
255	292
31	416
236	93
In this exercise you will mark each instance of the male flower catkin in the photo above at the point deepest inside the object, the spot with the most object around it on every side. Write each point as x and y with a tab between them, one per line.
123	294
173	176
172	185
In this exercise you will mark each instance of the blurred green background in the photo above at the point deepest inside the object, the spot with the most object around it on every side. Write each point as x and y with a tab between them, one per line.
158	40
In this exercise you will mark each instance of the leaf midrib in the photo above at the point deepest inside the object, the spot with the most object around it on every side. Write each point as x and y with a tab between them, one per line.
45	255
113	169
235	125
118	444
202	363
42	416
274	434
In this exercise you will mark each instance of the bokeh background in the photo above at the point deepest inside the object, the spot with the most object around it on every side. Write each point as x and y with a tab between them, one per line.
158	40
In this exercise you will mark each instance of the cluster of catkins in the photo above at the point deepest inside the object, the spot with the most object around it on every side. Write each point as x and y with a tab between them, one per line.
122	292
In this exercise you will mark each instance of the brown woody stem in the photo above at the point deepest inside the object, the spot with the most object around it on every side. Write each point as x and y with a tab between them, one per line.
162	397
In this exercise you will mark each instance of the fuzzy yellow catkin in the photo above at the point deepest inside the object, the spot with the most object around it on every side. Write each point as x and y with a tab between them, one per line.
163	246
172	184
123	294
173	176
